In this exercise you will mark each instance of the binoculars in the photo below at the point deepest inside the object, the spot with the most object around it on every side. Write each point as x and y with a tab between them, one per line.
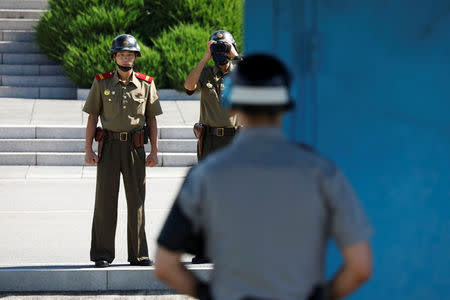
220	47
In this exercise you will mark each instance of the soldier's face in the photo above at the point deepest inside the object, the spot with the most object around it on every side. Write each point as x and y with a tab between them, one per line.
125	58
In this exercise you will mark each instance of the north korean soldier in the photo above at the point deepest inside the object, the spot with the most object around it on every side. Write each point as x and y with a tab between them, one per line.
216	127
264	208
127	103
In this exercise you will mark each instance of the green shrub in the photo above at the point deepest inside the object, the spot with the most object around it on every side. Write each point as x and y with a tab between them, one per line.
181	48
211	14
79	33
83	61
85	20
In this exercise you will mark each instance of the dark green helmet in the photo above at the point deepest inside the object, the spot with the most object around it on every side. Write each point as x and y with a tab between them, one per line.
125	42
223	35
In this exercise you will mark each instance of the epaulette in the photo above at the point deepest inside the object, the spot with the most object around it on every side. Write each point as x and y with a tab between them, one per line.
144	77
104	75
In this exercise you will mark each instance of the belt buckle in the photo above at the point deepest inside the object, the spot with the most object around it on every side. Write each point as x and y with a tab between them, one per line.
220	131
123	139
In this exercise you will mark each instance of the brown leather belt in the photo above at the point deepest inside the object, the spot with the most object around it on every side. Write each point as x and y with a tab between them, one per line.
137	136
221	131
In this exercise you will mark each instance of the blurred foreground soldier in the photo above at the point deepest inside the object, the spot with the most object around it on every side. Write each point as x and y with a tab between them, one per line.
264	208
126	101
217	126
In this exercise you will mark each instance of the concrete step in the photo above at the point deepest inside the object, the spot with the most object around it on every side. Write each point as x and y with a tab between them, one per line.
31	70
78	132
18	47
36	81
166	159
21	13
23	4
17	35
26	59
86	278
77	145
38	92
18	24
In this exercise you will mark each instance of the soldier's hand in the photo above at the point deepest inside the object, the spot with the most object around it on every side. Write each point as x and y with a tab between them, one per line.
208	54
232	53
91	158
152	159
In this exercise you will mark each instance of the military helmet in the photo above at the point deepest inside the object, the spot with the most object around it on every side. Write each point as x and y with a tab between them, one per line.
125	42
260	82
223	35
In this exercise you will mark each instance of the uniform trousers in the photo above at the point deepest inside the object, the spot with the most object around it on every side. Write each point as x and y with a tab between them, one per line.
213	143
119	157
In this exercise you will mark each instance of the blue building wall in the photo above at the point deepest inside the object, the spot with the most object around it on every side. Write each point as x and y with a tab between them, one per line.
372	85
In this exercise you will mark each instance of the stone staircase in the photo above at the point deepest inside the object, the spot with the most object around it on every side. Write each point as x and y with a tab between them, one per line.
24	71
64	146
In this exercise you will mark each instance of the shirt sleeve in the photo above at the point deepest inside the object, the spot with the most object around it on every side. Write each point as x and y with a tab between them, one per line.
153	107
348	221
182	229
204	76
94	102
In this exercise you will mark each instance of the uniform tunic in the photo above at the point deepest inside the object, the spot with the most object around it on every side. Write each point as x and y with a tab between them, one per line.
122	108
266	208
212	113
210	85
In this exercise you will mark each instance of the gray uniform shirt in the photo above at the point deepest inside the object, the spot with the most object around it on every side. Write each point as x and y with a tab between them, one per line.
267	208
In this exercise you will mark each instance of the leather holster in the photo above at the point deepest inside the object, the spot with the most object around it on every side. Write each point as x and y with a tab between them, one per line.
139	138
100	138
199	131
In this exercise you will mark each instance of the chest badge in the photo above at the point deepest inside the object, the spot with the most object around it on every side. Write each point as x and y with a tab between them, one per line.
107	92
209	85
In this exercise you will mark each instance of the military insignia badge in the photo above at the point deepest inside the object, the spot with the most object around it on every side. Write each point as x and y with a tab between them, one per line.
220	35
125	43
139	95
107	92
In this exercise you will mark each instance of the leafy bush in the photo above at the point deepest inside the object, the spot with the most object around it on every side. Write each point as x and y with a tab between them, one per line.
84	61
181	48
86	20
79	33
211	14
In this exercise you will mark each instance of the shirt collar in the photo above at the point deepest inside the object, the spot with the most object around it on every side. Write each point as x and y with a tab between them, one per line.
133	80
258	133
218	71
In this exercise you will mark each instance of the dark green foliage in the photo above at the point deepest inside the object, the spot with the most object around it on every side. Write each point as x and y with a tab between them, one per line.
84	20
181	48
79	33
211	14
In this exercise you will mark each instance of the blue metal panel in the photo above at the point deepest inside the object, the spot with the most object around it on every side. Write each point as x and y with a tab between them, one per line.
372	82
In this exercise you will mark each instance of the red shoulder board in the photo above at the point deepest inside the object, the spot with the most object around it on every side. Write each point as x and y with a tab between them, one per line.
104	75
144	77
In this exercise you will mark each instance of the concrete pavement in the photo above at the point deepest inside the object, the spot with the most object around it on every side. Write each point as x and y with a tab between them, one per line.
46	211
45	228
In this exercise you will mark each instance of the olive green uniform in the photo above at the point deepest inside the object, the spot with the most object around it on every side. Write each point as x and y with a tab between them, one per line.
212	114
121	109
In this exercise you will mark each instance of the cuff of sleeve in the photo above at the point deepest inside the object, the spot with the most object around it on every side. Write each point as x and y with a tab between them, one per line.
355	238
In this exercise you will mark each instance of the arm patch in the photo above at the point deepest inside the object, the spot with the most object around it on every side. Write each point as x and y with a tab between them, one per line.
177	234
